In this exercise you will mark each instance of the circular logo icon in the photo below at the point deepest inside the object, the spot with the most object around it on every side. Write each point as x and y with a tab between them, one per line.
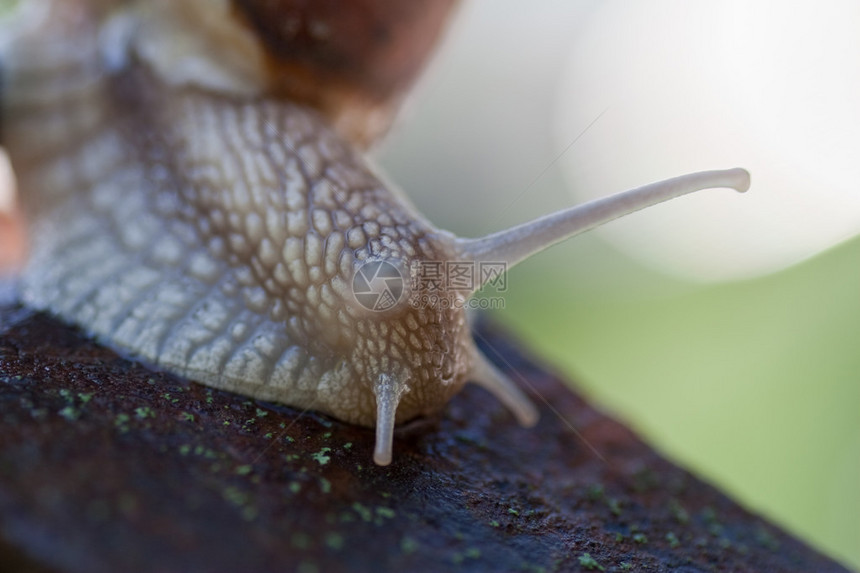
378	285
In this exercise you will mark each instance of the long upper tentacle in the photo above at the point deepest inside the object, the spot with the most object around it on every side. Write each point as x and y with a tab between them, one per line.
513	245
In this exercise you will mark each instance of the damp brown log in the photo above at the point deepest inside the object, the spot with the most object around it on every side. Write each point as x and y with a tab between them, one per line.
352	60
106	466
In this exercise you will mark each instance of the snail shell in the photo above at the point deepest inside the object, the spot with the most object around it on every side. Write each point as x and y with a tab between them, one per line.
184	210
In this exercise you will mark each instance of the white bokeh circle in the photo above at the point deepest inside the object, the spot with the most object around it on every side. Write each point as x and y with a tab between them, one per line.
686	86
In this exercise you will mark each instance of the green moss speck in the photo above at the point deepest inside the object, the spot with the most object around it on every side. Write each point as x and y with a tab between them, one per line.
347	445
187	417
346	517
295	487
645	479
70	413
614	506
85	397
308	567
144	412
234	495
513	511
244	470
385	512
261	413
766	539
269	436
364	513
595	492
678	512
226	423
184	449
494	523
587	561
334	541
640	538
321	456
467	439
673	540
408	545
625	566
325	485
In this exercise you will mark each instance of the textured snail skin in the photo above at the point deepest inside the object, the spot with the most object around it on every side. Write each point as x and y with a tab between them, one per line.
216	237
215	231
230	257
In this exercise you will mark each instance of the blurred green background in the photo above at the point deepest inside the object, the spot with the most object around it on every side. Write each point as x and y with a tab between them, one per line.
753	385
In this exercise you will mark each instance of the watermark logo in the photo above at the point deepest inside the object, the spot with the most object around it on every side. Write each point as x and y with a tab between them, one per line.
378	285
463	277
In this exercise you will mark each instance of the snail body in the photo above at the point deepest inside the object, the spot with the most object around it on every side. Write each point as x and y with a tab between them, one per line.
192	219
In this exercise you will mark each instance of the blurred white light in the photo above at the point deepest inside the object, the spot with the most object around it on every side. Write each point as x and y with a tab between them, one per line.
769	85
7	185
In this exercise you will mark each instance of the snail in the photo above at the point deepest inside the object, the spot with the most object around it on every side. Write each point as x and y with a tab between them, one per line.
184	211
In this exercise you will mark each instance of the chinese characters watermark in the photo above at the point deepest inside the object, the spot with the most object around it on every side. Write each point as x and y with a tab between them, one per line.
381	285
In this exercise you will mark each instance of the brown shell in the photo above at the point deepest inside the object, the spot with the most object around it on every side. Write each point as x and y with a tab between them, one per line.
354	61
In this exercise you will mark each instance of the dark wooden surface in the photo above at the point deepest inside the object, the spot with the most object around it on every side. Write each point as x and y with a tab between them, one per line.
108	466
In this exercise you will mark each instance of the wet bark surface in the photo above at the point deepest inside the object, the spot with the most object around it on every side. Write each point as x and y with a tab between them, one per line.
106	465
